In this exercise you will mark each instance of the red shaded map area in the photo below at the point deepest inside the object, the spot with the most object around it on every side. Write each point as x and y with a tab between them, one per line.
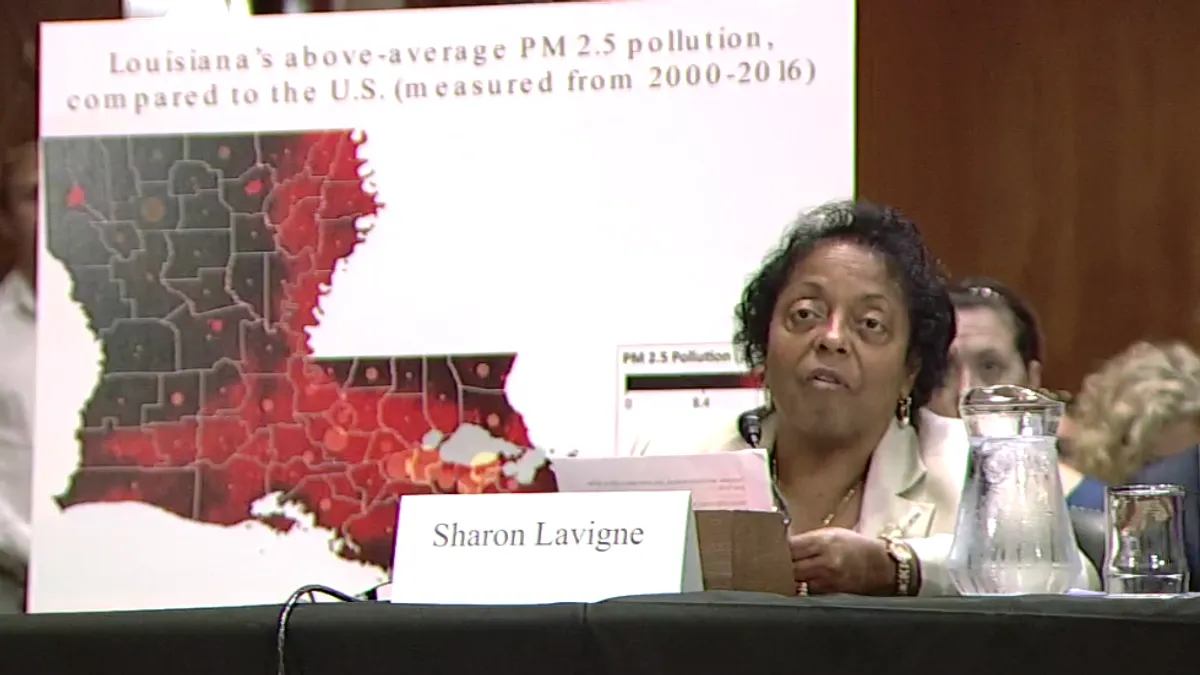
199	262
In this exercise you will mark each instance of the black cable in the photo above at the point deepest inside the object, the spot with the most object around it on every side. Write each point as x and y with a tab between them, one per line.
294	599
372	593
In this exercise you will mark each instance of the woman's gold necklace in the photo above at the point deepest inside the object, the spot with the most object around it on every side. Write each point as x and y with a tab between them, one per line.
802	587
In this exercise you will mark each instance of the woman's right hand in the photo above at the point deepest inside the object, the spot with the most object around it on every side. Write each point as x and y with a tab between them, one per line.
837	560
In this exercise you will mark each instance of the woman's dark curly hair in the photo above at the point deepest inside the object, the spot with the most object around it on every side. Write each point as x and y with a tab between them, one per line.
888	233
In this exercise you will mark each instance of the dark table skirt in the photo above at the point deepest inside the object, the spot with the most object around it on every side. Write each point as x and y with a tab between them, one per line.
727	633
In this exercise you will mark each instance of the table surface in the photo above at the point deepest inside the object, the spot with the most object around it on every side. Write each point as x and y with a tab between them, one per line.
727	633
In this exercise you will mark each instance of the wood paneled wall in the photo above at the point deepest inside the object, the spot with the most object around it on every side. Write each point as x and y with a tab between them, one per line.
1053	145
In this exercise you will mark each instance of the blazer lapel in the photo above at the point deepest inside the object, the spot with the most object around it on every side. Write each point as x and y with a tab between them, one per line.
892	505
898	498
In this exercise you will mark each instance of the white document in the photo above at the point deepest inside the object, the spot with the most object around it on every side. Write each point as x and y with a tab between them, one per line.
722	481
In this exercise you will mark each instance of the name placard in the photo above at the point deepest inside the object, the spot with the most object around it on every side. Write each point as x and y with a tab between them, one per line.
512	549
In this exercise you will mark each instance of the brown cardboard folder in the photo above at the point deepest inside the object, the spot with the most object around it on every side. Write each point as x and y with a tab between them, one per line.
744	551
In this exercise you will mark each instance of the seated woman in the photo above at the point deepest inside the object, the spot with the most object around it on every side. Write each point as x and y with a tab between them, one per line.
1141	407
850	323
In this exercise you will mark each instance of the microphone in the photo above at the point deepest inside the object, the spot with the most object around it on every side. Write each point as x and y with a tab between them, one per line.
750	425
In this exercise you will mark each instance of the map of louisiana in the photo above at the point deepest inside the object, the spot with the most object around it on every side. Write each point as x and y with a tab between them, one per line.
200	262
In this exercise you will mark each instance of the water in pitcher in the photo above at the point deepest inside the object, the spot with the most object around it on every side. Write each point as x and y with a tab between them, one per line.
1013	534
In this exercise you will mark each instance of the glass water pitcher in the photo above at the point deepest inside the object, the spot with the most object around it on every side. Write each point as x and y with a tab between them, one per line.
1013	535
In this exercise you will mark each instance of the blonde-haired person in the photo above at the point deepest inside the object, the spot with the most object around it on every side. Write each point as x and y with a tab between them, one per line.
1141	407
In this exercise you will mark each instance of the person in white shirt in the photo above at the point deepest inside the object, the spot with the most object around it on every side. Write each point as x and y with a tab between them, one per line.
18	227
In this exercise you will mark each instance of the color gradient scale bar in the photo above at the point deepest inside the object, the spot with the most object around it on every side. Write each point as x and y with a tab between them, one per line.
689	381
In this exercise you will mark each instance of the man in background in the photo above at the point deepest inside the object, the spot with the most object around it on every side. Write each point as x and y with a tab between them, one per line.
18	236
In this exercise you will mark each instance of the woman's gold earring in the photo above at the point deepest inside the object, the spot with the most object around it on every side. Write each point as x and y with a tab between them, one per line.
904	411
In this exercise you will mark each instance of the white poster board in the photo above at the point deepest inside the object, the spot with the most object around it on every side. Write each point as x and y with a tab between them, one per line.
296	266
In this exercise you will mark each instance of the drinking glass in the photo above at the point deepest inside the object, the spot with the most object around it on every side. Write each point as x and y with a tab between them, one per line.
1145	553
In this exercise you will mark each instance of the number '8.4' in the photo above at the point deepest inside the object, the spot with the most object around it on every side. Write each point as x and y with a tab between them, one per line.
745	72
